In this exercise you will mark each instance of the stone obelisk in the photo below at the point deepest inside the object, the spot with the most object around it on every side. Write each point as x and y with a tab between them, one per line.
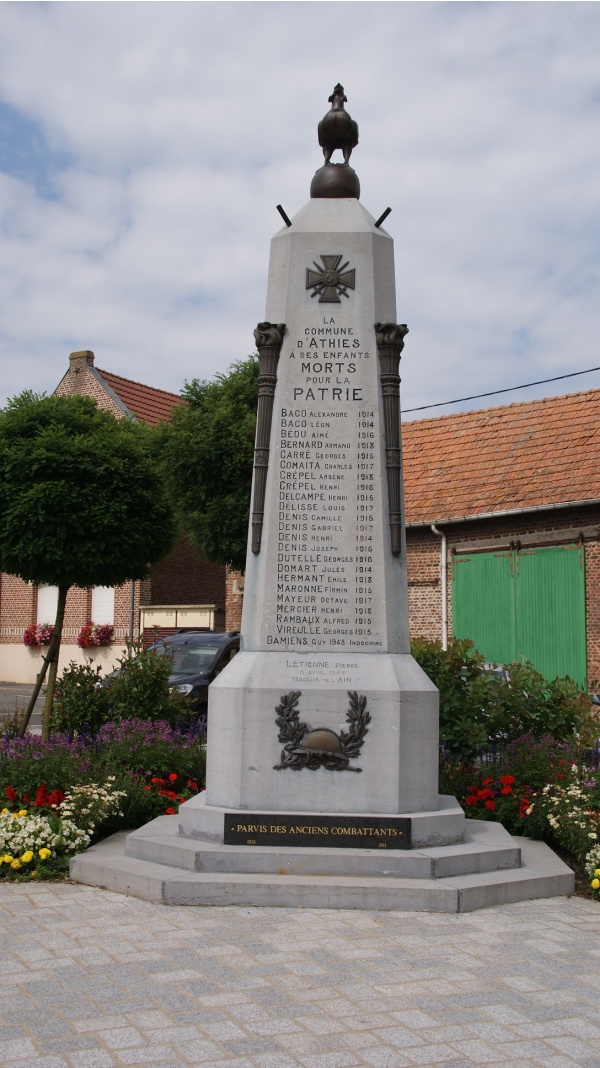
323	731
324	710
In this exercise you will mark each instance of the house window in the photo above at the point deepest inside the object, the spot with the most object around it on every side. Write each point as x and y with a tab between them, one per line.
103	604
47	601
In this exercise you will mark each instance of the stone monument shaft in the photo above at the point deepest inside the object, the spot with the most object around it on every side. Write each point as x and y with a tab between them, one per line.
329	575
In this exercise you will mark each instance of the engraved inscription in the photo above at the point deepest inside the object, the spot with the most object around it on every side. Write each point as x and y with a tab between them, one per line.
339	832
327	451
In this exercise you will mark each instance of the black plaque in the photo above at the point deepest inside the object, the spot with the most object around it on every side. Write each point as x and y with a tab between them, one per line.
337	832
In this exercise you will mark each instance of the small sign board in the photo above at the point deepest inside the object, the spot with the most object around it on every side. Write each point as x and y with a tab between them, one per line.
333	832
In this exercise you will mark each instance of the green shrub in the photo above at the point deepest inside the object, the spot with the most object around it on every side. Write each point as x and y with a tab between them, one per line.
80	703
140	689
479	708
466	694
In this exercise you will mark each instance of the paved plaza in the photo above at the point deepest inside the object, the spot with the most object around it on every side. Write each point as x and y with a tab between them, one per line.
92	979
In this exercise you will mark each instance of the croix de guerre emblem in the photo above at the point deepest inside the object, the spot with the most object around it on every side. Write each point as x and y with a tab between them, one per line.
330	282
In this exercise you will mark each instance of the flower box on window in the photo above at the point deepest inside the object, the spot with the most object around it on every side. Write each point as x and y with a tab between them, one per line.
38	634
94	634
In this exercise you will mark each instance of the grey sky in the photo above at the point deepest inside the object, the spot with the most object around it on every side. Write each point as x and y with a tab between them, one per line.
144	146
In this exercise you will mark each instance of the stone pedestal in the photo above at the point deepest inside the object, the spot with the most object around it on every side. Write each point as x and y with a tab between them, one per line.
395	771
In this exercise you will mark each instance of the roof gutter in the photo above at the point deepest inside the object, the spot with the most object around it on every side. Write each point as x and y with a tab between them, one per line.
506	512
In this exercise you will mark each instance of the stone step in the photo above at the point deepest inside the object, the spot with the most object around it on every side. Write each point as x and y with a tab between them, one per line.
542	874
487	847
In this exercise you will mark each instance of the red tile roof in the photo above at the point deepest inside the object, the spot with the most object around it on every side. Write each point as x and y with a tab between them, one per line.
543	452
150	405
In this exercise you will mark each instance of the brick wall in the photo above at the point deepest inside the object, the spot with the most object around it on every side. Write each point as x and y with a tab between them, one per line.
533	529
234	599
183	577
81	380
424	586
18	609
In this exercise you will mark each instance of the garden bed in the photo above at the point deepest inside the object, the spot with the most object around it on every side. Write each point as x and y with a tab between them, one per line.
59	797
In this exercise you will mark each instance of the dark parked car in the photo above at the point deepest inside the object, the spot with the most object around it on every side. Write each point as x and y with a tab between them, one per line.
198	657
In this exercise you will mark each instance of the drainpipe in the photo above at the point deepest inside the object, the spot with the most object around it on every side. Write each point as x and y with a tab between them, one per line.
444	583
131	614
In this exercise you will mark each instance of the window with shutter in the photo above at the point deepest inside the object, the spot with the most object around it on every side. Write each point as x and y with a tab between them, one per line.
103	604
47	601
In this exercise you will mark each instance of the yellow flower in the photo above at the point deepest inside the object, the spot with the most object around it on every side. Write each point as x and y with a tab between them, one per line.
7	858
27	857
15	865
4	812
595	884
33	874
22	812
597	871
44	853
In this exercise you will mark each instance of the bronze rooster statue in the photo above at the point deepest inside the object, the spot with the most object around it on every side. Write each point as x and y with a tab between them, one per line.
337	129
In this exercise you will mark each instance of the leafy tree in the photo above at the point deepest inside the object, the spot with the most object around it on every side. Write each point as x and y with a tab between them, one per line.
81	504
207	450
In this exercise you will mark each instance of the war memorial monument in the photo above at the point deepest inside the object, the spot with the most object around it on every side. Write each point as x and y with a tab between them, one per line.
322	762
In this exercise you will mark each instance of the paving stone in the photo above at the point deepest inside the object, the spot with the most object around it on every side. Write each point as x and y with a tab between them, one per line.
91	1059
36	1062
245	988
329	1060
66	1043
384	1057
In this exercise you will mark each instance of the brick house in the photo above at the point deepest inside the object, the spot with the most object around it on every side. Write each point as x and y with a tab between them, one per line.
503	525
182	590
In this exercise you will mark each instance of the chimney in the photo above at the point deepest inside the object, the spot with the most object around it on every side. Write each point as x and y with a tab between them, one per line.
79	360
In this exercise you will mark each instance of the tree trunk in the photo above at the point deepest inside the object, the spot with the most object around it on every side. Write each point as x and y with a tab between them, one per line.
36	689
53	655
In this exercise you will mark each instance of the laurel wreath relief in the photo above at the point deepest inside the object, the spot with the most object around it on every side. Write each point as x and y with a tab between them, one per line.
297	754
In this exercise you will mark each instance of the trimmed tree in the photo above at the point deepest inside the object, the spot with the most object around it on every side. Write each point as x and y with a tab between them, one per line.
207	450
81	504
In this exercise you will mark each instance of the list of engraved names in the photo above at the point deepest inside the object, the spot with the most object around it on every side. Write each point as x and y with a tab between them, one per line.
325	452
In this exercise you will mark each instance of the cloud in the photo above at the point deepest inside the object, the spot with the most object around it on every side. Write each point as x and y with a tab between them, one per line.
145	146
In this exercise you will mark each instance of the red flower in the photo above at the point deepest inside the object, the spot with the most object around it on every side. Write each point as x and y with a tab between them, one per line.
56	798
484	782
506	790
191	785
470	800
491	805
169	812
11	794
506	780
147	787
482	794
173	777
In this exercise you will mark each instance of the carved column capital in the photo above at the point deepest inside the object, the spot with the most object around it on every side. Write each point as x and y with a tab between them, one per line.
391	335
269	335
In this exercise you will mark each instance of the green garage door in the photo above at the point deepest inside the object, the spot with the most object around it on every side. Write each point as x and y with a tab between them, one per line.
528	604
